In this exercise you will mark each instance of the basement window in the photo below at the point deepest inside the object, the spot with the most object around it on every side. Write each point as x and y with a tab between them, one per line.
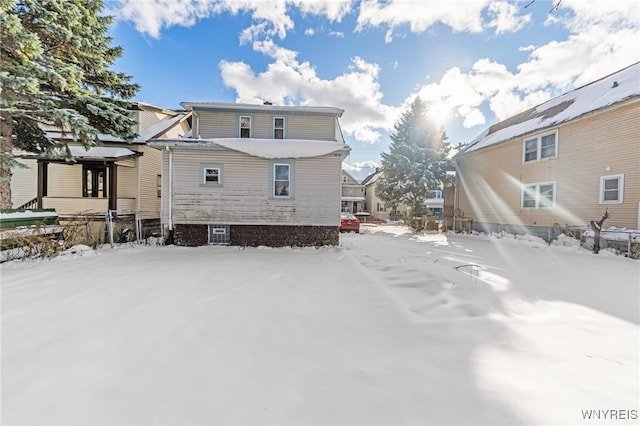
218	234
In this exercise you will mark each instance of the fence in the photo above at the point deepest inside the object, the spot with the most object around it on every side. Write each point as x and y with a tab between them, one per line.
41	240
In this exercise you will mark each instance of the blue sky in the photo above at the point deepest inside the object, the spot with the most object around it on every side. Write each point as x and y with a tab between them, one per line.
474	62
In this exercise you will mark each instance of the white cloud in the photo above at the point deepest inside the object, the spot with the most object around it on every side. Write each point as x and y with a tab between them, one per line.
288	81
603	38
309	31
528	48
271	18
506	17
394	13
150	17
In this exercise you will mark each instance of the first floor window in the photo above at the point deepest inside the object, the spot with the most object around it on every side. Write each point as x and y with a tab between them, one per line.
611	189
159	185
211	174
539	195
282	174
282	178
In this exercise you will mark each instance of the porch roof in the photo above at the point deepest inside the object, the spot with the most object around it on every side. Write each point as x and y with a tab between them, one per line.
96	153
264	148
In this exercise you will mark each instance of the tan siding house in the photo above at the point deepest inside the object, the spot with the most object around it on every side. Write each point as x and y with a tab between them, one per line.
254	175
564	162
113	175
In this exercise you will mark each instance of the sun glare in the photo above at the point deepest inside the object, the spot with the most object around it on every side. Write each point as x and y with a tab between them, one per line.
439	112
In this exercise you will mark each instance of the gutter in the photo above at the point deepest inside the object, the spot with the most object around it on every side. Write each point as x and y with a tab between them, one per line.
170	189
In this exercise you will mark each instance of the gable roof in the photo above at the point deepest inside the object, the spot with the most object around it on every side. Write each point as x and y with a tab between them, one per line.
162	127
350	176
372	178
621	86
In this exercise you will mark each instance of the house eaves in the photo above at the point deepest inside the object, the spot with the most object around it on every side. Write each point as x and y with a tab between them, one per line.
262	108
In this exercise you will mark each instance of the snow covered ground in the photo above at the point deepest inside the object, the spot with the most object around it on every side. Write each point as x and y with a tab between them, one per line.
389	328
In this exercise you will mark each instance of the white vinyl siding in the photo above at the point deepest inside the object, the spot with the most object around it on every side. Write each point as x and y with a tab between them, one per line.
612	189
226	124
244	198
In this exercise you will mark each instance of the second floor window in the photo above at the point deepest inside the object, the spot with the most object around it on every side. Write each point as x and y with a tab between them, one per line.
245	126
540	147
278	128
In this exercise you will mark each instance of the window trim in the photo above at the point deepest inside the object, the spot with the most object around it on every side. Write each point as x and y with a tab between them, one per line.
536	196
620	178
240	117
272	178
203	171
538	139
274	128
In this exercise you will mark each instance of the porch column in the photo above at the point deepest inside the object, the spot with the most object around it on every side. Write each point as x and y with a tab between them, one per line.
113	189
43	170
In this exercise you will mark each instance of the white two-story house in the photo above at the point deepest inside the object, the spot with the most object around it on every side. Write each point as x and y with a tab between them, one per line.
254	175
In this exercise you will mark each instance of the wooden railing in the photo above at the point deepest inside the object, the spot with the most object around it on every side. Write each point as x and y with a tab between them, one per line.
32	204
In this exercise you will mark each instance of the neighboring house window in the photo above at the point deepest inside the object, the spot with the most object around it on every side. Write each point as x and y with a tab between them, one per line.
611	189
381	207
278	128
539	195
282	178
245	126
540	147
344	179
94	181
211	174
159	185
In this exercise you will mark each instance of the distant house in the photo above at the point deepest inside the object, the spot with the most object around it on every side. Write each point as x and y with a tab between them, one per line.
352	198
113	175
565	162
254	175
374	205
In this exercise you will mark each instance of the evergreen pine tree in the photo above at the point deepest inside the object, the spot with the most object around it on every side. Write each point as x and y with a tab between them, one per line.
416	163
55	57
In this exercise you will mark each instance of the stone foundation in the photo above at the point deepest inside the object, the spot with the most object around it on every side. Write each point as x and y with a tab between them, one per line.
191	235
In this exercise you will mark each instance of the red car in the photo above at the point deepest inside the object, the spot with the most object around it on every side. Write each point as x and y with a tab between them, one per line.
349	222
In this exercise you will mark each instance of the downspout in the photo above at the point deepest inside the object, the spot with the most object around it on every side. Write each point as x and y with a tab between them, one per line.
170	189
